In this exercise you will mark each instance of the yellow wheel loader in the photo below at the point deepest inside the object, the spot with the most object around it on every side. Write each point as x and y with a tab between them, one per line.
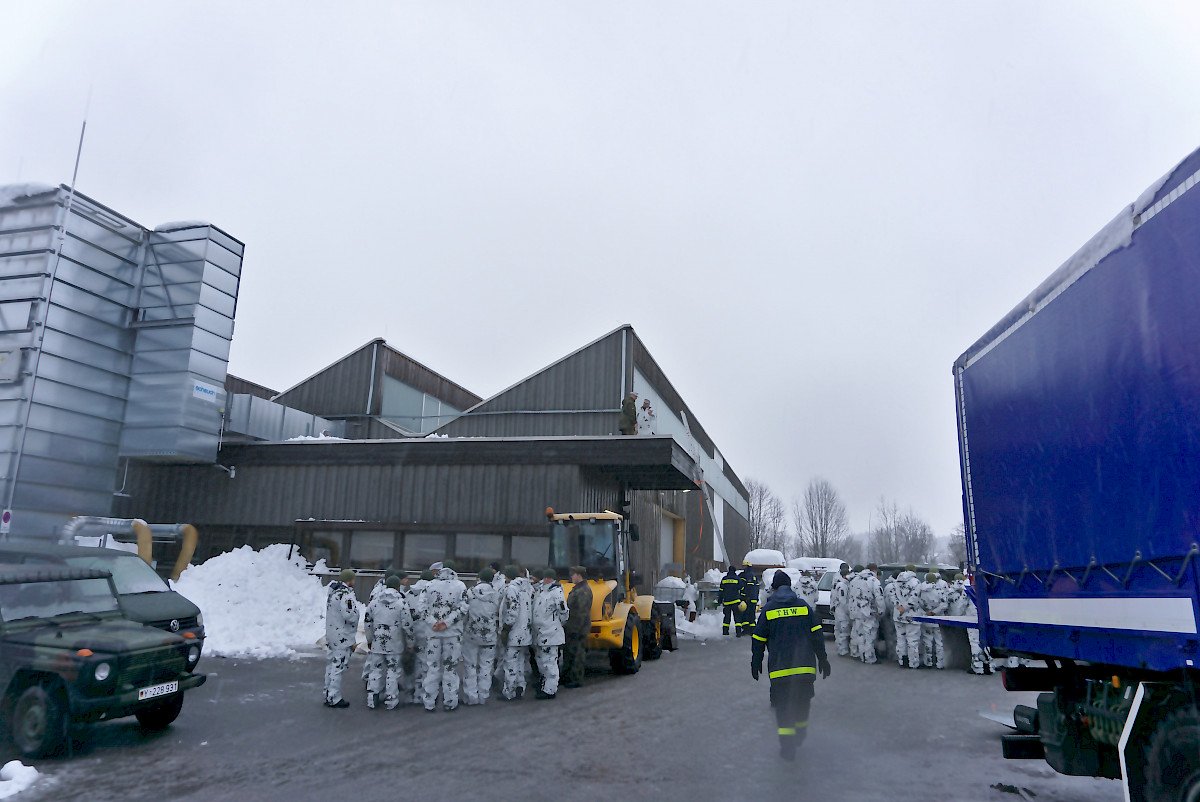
630	627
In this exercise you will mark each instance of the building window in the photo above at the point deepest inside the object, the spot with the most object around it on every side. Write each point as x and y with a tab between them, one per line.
409	408
474	552
422	551
530	552
373	551
321	544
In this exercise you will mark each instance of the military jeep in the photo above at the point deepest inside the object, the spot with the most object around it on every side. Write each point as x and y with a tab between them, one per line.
68	655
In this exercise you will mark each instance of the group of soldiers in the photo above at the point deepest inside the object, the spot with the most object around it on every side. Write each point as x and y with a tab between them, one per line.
418	633
860	602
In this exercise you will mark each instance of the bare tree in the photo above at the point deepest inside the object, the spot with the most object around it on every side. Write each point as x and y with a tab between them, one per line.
768	518
958	545
899	536
820	521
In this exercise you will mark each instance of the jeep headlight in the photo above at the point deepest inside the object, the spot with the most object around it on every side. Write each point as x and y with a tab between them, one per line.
102	672
199	619
193	654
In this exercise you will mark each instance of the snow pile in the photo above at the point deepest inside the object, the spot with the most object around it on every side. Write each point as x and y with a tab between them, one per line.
707	626
10	193
714	576
256	603
765	557
671	582
15	777
310	437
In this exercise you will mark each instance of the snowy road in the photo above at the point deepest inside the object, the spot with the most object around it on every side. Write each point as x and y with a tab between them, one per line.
692	725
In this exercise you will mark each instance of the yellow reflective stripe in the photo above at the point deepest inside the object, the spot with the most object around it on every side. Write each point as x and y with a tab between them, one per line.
786	731
791	672
801	725
818	626
727	604
761	638
785	612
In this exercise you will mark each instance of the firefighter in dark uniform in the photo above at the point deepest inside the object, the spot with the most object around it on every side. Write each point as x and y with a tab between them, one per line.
731	596
790	631
749	593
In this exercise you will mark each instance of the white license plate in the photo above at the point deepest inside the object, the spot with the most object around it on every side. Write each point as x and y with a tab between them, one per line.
158	690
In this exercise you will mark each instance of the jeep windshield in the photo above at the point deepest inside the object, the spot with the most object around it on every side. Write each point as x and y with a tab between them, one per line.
131	574
56	597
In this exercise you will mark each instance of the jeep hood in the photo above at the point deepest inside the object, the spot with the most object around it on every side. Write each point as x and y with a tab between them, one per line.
114	635
157	606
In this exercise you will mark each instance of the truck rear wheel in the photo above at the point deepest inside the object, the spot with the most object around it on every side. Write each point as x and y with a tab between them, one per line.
1173	758
628	659
37	722
160	716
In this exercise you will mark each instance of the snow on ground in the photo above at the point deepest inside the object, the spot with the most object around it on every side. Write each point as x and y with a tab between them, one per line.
15	777
256	603
707	626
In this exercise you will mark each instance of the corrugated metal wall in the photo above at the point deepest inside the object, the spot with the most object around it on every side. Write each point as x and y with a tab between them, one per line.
339	391
586	382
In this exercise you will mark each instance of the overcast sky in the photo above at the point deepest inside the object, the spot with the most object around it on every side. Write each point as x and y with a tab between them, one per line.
806	210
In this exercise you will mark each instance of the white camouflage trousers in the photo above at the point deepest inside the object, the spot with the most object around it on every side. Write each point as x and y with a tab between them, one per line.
977	655
384	678
931	638
862	639
841	632
478	662
908	641
547	663
516	662
335	666
441	672
418	680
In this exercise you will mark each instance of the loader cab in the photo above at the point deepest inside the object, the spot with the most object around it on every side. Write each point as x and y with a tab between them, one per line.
593	541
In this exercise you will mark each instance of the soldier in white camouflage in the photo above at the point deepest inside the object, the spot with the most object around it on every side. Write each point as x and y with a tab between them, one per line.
372	659
341	627
516	631
549	611
446	613
479	640
388	625
839	605
866	605
416	600
807	589
932	600
908	631
961	604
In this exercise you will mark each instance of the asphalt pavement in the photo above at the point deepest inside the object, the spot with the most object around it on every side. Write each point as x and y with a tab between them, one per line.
690	726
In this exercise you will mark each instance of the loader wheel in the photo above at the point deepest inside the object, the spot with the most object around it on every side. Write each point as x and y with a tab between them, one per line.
37	722
653	638
628	659
1173	758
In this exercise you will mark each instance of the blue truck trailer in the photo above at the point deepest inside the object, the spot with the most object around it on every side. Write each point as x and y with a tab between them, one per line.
1079	444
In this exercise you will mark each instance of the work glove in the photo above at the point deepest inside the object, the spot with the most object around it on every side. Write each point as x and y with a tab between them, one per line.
741	607
824	667
755	671
504	632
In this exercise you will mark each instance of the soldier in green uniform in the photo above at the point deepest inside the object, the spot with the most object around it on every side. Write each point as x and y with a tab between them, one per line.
578	626
628	422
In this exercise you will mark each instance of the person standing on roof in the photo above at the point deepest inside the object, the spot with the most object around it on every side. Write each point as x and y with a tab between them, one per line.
446	613
577	628
839	605
730	599
341	627
628	421
789	631
748	592
646	418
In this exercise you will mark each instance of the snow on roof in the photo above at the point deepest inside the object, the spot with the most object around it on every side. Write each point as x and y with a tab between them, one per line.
256	603
765	557
180	224
816	563
10	193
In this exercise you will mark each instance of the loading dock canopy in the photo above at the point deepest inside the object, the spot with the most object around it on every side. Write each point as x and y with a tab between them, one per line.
644	462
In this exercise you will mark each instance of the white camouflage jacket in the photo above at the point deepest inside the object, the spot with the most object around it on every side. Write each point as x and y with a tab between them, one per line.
483	614
446	601
388	623
549	613
516	612
341	614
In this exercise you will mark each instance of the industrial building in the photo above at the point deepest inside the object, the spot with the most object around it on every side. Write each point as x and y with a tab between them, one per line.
122	405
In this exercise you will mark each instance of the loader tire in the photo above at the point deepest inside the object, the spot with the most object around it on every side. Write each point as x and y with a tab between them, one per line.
1173	758
628	659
